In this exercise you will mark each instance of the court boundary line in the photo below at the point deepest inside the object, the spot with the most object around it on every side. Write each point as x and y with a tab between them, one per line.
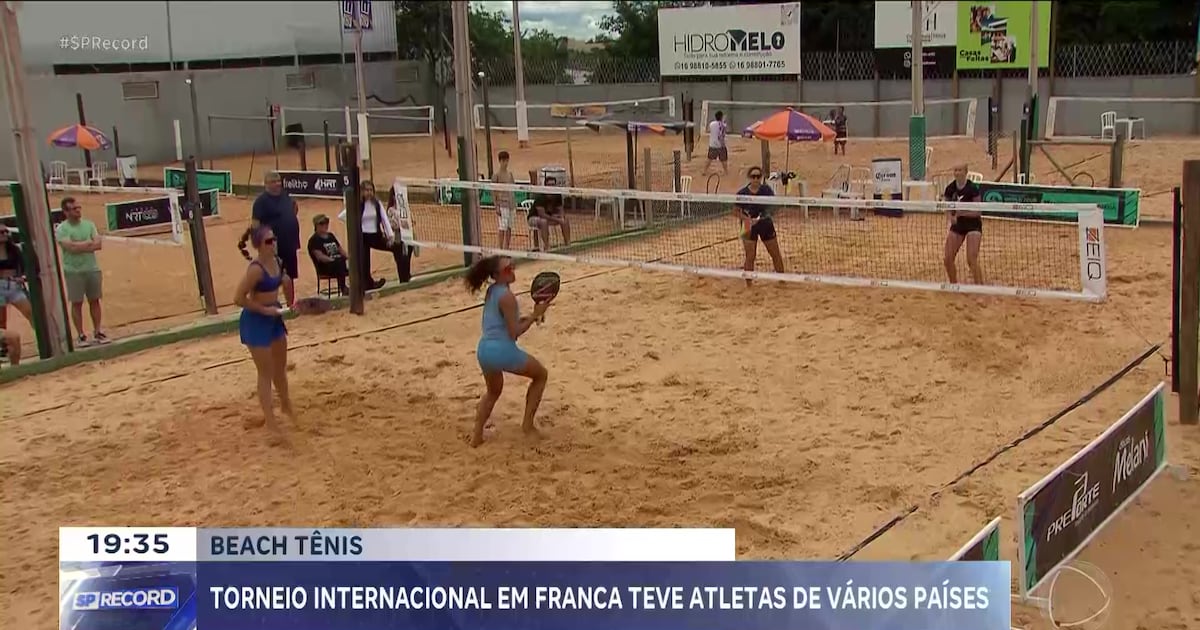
1030	433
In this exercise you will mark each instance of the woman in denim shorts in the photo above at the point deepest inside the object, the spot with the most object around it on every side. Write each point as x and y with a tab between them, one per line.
12	278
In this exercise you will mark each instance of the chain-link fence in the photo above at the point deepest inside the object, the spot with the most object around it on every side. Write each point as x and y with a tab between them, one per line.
1081	60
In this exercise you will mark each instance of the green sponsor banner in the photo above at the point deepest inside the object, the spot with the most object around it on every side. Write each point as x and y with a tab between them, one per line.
205	180
453	195
996	35
1120	205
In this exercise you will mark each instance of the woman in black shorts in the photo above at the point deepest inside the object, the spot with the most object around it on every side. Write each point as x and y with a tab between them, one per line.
757	224
965	226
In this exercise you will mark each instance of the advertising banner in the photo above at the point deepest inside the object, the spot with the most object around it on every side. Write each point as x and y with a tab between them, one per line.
320	184
205	180
738	40
997	34
985	546
153	211
893	37
1062	512
1120	205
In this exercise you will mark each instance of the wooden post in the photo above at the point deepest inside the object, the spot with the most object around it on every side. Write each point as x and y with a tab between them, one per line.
1189	297
87	155
40	237
1176	263
647	184
570	158
764	149
954	92
325	135
348	156
199	240
303	154
1116	161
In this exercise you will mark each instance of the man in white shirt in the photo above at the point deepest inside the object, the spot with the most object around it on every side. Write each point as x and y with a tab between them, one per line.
504	201
716	143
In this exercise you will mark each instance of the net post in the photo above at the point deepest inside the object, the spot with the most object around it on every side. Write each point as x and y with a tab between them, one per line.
764	149
37	297
204	279
1116	161
303	154
348	165
647	184
689	133
1189	297
325	137
916	147
1176	262
677	170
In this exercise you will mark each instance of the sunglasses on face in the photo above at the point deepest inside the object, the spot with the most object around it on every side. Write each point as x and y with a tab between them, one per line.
755	175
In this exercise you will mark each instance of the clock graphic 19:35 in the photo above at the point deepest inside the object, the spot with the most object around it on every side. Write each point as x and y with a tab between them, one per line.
132	544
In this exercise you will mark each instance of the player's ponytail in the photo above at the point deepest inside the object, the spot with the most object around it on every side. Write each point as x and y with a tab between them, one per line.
480	272
242	243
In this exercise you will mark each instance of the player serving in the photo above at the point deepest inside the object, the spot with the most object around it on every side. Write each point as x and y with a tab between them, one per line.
757	224
965	226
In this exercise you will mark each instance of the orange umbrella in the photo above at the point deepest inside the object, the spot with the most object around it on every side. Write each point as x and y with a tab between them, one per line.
789	125
80	136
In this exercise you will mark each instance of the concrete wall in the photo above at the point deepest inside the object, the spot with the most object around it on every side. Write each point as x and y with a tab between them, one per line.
146	126
186	30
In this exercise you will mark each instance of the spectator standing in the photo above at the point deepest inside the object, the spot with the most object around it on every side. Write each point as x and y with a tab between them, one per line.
277	210
80	240
717	150
504	201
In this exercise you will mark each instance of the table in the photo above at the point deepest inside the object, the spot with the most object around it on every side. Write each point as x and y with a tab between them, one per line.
924	189
81	172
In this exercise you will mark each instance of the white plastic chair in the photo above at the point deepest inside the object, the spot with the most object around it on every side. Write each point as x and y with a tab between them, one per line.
973	176
58	173
99	172
685	186
928	159
527	208
1108	124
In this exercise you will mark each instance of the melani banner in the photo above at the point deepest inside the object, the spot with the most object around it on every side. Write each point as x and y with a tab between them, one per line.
544	596
997	34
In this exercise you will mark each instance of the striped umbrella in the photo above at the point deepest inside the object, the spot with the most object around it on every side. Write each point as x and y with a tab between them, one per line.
80	137
790	126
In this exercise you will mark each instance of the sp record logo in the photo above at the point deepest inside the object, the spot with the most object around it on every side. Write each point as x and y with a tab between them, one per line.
162	598
321	184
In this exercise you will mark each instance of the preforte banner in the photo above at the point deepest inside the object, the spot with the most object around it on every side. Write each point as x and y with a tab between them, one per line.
740	39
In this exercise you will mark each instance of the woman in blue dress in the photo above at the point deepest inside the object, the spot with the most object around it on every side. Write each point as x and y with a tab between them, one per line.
498	351
261	324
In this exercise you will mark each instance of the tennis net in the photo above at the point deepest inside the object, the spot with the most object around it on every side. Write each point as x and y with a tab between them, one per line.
1027	250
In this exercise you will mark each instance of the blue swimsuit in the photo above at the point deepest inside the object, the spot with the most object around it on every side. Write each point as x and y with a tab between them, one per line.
497	350
258	330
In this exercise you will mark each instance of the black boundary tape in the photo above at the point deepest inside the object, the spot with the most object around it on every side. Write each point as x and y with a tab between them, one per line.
912	509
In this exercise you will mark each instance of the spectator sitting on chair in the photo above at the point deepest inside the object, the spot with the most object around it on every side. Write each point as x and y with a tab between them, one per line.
549	209
329	259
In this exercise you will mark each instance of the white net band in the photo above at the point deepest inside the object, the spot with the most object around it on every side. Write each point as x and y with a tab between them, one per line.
945	118
555	116
406	121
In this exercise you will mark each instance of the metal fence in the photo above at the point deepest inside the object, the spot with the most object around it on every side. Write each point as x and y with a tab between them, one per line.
1082	60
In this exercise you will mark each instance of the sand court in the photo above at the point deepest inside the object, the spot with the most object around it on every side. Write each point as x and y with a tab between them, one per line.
803	416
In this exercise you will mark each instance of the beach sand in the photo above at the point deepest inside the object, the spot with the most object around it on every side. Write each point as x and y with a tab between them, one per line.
804	416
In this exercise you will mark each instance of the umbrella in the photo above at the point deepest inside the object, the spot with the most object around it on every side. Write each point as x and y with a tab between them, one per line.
634	120
792	126
80	136
789	125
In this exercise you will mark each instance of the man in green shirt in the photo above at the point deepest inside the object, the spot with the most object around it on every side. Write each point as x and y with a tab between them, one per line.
80	241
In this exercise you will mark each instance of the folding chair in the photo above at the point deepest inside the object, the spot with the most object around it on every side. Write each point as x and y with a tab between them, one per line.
685	186
99	173
1108	124
58	173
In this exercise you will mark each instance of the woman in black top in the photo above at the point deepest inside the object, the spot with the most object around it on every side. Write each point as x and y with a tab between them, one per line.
12	279
966	226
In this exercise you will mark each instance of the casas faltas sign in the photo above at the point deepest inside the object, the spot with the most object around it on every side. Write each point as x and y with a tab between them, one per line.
322	184
142	213
741	39
1120	205
1063	511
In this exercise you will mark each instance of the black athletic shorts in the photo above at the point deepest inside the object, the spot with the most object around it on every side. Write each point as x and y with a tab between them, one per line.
718	153
965	225
289	263
762	230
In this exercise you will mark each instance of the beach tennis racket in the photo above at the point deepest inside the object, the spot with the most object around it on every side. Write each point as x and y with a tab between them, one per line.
312	306
544	289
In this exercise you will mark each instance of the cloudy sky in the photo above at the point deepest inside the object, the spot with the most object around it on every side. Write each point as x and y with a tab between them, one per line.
577	20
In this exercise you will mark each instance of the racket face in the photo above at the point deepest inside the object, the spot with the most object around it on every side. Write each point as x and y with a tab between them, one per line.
545	286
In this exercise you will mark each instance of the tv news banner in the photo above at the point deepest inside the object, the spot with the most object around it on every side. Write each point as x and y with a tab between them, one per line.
502	579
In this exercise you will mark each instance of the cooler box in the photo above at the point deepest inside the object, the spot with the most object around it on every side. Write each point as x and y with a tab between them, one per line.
888	175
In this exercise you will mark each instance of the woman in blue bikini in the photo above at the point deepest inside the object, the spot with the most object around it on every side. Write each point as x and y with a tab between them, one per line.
498	351
261	324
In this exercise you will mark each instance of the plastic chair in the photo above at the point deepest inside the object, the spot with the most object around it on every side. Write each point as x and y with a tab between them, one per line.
99	172
973	176
527	208
58	173
1108	124
685	187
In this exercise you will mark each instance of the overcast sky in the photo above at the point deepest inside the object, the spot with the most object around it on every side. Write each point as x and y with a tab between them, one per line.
577	20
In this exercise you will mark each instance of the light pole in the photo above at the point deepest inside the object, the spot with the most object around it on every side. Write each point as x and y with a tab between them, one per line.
466	132
487	122
916	123
522	112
